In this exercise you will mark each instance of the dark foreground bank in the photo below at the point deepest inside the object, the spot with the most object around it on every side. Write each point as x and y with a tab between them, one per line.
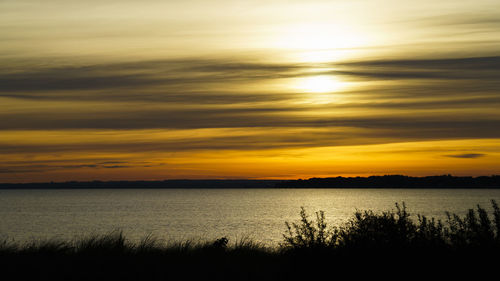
392	244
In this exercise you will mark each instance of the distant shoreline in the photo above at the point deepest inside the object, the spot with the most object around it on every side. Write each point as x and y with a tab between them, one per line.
388	181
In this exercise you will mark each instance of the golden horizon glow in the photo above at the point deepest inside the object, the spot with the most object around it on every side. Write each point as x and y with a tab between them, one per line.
428	158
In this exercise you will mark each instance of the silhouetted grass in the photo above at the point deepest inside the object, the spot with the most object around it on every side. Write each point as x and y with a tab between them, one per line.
369	244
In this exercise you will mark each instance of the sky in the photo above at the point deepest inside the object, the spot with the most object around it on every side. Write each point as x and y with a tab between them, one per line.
191	89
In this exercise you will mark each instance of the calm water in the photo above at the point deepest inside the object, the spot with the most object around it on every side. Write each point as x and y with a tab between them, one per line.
178	214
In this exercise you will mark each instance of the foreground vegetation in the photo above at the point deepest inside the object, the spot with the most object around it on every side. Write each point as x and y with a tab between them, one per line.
369	244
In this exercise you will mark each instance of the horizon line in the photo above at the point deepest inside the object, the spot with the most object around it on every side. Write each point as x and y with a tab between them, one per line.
243	179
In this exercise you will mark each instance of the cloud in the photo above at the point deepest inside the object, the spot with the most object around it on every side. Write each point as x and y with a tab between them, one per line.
285	134
141	74
483	20
482	68
467	155
288	117
30	167
189	74
443	99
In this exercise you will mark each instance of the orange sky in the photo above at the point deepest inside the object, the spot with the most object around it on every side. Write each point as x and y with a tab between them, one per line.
256	89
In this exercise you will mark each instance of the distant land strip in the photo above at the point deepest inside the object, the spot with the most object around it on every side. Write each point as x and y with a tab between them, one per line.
387	181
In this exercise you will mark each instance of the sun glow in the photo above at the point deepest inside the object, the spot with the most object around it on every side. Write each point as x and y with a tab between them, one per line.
321	42
320	89
318	36
319	84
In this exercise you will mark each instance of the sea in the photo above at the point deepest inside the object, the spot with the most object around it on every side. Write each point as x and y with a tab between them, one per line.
177	215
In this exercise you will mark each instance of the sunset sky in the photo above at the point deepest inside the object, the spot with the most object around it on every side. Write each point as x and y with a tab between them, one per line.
152	90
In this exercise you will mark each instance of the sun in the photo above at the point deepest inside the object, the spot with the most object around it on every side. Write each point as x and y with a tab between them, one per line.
319	84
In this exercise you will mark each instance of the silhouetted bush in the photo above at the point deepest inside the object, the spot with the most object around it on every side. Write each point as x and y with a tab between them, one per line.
476	229
396	230
308	234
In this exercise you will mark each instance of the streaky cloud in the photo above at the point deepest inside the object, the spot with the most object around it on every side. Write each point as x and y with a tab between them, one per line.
481	68
467	155
192	73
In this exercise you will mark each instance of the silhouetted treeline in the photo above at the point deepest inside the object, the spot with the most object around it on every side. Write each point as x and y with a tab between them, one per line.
395	181
388	181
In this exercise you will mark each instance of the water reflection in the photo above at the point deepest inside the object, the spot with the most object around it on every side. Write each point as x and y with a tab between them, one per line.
207	213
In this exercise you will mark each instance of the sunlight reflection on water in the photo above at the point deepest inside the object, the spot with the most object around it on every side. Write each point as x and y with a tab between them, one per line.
178	214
